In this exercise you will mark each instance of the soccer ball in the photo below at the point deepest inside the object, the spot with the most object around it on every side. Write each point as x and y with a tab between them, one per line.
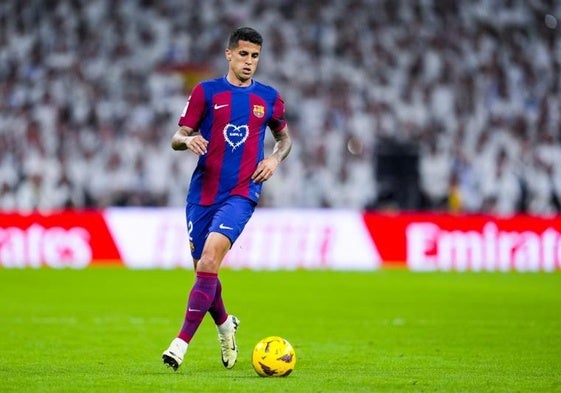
273	357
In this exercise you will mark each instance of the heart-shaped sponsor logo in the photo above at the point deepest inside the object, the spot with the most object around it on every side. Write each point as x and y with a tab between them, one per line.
235	135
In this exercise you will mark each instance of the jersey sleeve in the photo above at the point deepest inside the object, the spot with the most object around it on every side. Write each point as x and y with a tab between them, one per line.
194	109
277	121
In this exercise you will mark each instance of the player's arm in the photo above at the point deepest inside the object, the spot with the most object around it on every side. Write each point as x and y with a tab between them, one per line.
267	167
185	138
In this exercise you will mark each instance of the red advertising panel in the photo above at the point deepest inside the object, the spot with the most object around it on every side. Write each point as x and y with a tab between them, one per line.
466	242
58	239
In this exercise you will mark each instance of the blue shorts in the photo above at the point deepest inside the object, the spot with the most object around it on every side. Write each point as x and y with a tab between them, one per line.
228	218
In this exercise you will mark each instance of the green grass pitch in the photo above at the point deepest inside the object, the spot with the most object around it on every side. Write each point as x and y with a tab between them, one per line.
104	329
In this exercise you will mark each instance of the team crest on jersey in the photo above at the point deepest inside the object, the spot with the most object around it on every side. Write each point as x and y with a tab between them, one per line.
235	135
258	111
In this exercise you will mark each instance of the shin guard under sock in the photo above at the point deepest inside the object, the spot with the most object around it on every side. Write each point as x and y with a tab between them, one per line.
200	299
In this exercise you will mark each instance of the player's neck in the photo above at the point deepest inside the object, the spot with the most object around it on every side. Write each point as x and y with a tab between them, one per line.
233	80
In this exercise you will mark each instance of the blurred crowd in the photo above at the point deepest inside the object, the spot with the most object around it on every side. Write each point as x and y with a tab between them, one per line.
89	99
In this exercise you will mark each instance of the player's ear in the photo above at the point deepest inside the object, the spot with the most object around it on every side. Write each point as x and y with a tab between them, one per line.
228	54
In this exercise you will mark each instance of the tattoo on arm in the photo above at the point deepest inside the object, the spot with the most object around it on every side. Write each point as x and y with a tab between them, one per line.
283	144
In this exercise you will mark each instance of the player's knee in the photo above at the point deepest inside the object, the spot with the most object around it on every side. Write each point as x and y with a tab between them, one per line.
208	264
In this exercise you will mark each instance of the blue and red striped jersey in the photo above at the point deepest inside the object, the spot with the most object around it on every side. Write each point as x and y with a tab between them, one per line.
234	121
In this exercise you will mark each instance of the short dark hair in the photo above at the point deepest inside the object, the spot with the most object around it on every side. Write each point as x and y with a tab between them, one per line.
244	34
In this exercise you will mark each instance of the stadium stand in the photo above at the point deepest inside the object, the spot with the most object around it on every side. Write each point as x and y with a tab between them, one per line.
470	91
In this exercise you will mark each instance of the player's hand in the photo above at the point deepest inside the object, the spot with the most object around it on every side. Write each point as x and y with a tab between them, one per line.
265	169
197	144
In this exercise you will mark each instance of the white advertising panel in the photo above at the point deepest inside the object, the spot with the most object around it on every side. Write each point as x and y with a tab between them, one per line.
273	239
304	239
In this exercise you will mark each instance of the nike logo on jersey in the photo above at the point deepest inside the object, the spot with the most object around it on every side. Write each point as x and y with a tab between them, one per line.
222	226
216	106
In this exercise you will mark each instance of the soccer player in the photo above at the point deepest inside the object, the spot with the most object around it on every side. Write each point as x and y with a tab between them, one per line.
224	122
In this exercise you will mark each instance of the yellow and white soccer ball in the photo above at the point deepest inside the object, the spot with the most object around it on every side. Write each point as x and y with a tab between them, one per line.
273	357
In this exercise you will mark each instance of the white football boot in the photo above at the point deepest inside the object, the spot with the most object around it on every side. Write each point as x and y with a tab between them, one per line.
227	338
173	356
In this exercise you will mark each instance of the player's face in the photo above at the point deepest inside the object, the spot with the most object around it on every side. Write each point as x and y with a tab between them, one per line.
243	62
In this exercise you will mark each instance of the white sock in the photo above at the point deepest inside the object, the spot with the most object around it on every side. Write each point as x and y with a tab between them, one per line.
227	326
180	344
